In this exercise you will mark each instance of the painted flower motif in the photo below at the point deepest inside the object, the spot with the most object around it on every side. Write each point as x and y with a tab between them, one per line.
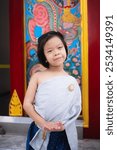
67	64
31	49
75	59
74	50
75	72
40	15
77	64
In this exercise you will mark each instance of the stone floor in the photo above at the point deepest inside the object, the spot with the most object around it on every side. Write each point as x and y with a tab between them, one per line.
17	142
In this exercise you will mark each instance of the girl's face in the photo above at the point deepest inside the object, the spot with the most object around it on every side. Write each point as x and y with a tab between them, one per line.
55	52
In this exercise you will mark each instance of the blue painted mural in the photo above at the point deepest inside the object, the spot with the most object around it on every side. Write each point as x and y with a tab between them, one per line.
64	16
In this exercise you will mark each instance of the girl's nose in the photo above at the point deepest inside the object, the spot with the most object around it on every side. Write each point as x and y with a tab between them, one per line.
56	53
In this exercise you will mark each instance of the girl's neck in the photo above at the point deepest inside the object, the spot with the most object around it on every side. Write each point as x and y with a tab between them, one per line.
56	69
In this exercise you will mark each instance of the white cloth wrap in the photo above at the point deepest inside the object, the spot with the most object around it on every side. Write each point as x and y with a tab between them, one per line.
58	99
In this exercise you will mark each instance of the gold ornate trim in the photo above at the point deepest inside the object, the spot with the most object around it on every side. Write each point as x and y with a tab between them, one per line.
84	58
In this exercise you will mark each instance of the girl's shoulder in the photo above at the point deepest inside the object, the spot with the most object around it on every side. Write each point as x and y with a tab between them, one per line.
72	78
39	76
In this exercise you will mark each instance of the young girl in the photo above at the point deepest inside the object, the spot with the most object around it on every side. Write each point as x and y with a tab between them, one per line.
53	99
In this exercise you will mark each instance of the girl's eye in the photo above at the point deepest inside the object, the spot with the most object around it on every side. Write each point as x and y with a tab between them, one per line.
60	47
49	51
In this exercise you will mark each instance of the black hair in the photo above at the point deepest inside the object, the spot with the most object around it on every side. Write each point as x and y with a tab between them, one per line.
41	43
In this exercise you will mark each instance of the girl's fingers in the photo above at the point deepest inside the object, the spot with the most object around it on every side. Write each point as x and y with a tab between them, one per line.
54	126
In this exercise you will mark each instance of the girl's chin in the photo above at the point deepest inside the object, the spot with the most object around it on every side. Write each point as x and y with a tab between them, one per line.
57	65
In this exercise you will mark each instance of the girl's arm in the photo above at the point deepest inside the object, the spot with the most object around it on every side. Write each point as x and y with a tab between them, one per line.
29	101
29	107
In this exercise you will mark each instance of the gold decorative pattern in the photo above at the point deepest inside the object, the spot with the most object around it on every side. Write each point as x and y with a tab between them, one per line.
84	54
68	17
15	106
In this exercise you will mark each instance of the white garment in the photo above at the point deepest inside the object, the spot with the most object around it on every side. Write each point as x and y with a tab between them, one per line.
58	99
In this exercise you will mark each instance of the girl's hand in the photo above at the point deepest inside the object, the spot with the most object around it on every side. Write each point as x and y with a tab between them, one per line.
53	126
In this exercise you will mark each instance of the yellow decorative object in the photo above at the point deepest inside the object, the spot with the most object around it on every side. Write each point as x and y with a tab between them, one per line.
69	18
15	106
68	2
84	54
